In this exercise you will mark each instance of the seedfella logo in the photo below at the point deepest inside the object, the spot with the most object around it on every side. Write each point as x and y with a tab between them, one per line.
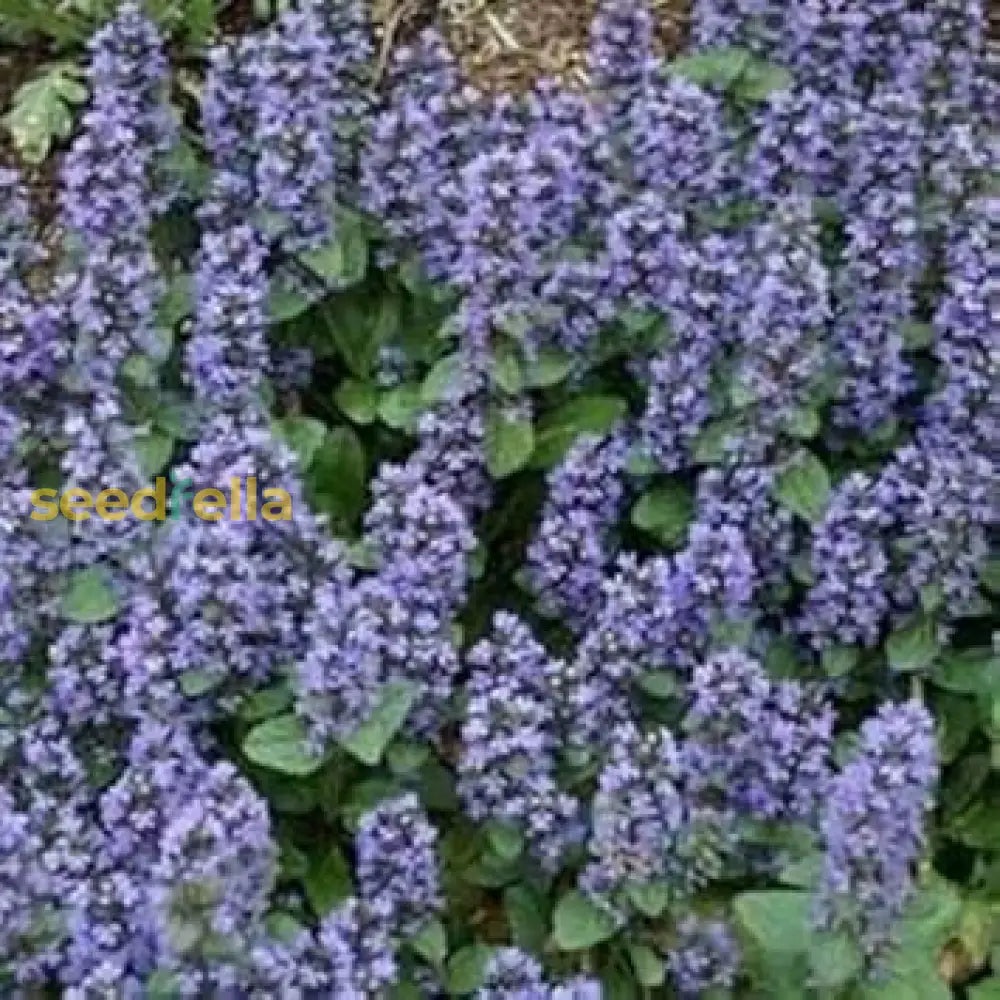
240	503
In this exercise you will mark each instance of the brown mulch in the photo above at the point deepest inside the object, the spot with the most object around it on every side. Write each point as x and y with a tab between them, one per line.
508	44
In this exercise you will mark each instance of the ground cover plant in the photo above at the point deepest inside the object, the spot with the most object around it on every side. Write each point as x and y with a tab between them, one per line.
565	568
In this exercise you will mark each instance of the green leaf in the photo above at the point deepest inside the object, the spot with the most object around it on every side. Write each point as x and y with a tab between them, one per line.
199	20
491	872
477	563
467	968
506	840
963	783
913	648
90	597
326	262
141	371
740	393
527	917
777	920
660	684
441	379
650	899
353	235
414	279
557	431
400	407
760	80
437	787
293	862
639	462
578	924
803	424
737	632
404	989
989	576
344	261
665	512
361	555
163	985
931	917
732	69
714	439
175	304
368	742
802	873
176	418
364	797
285	303
979	825
649	968
195	683
280	744
781	659
917	336
506	371
804	487
358	327
265	703
510	440
932	598
969	671
838	661
405	757
153	450
283	926
296	798
617	984
41	17
916	986
990	723
638	321
989	989
184	167
431	942
549	368
337	477
957	718
304	436
41	111
834	961
358	400
328	881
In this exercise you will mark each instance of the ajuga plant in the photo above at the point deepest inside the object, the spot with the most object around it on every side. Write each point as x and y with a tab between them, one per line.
528	546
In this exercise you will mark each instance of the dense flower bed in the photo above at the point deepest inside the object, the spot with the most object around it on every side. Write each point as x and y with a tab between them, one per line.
631	633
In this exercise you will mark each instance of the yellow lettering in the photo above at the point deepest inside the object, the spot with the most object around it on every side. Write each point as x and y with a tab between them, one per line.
74	504
112	504
205	501
252	498
44	500
235	513
159	496
283	503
